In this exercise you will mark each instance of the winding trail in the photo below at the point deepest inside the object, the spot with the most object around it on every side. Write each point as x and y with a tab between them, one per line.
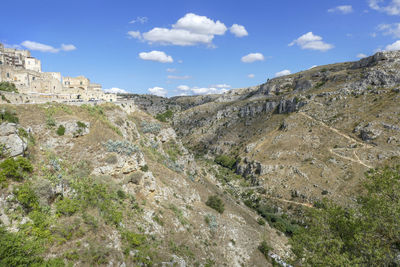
356	159
309	205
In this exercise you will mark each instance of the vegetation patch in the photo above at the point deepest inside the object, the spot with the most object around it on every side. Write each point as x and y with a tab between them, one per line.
60	130
121	147
216	203
15	169
366	234
150	127
164	117
98	112
226	161
8	116
8	87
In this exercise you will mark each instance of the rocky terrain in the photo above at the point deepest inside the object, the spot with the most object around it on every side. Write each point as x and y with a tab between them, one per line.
153	189
216	180
306	135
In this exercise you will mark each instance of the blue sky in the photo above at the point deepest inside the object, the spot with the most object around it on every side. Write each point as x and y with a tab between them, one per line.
187	47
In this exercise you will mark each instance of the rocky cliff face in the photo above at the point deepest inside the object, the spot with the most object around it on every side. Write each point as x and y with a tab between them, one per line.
339	120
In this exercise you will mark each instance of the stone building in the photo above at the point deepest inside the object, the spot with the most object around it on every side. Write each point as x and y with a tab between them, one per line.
18	67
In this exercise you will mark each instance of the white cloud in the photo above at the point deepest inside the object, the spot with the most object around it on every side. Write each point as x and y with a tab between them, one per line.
183	88
238	30
35	46
361	55
390	29
171	70
311	42
115	90
393	47
189	30
39	47
200	24
186	90
141	20
176	37
392	8
282	73
158	56
345	9
174	77
252	57
221	85
135	34
207	90
251	76
159	91
68	47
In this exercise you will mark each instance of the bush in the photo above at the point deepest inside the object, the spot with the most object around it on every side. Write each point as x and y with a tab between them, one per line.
225	161
26	197
151	127
144	168
60	130
66	206
9	116
264	248
365	234
17	250
81	124
216	203
15	169
8	87
132	239
165	116
121	147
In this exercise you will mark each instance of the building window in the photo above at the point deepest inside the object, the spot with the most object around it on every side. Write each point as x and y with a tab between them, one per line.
8	75
1	62
81	83
33	78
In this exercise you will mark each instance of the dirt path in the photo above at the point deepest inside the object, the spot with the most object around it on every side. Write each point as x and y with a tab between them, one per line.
292	202
356	159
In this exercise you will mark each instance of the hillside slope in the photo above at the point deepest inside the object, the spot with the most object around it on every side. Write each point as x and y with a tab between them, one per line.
112	186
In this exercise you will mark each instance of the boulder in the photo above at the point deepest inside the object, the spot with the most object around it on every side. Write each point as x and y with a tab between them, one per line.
370	132
76	128
14	144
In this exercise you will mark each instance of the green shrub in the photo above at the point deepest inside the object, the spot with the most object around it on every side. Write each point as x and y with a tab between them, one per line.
8	87
261	221
93	193
17	250
264	248
132	239
9	116
225	161
216	203
66	206
60	130
165	116
26	197
15	169
366	233
81	124
144	168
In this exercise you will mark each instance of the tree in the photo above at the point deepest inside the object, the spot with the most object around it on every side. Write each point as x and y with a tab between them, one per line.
366	234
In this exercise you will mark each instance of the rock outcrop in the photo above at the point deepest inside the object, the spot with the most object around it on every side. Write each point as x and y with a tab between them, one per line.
14	145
